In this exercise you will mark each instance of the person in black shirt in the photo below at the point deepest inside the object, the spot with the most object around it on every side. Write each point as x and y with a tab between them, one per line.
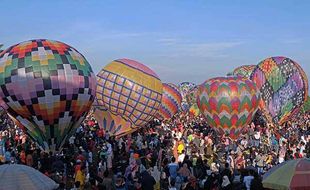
226	172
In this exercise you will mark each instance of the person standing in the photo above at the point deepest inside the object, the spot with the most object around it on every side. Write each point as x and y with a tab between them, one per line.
173	169
147	181
80	177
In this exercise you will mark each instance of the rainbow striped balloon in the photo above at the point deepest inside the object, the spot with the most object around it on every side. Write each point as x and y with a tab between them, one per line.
171	101
228	103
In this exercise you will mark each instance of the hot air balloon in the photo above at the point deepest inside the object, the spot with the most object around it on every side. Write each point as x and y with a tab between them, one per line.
170	102
191	96
129	89
244	71
283	86
194	110
49	87
115	125
185	88
228	103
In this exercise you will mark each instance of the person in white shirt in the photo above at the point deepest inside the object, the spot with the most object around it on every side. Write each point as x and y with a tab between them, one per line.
257	138
181	157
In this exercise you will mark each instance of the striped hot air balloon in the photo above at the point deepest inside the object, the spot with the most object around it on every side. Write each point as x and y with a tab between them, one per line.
170	102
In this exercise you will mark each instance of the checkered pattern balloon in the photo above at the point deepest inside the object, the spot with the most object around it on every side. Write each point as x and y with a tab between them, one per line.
170	102
48	87
244	71
283	86
115	125
228	103
129	89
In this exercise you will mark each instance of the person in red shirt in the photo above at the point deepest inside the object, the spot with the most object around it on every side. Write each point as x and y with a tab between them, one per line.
80	157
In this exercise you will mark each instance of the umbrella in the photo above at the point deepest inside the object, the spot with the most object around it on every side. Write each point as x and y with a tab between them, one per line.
16	176
292	175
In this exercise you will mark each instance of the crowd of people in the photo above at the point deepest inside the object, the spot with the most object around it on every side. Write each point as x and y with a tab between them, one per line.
183	153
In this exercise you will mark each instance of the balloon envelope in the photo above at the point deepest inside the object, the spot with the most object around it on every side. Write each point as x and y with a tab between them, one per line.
115	125
185	88
171	101
129	89
228	103
48	86
244	71
191	96
283	86
194	110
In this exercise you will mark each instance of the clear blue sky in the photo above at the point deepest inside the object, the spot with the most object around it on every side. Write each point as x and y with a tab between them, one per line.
181	40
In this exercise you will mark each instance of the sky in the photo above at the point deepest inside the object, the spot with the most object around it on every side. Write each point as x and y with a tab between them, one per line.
181	40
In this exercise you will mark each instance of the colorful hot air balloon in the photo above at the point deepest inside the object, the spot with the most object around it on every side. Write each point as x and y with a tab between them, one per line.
228	103
194	110
283	86
170	102
244	71
48	87
129	89
191	96
185	88
115	125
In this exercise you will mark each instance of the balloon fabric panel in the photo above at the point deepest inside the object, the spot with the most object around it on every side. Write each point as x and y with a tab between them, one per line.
129	89
48	87
283	86
113	124
185	88
171	101
244	71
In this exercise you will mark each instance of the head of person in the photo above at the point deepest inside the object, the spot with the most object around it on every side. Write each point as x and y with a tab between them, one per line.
77	184
173	159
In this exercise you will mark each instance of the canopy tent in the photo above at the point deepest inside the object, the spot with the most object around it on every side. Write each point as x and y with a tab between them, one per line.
289	175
